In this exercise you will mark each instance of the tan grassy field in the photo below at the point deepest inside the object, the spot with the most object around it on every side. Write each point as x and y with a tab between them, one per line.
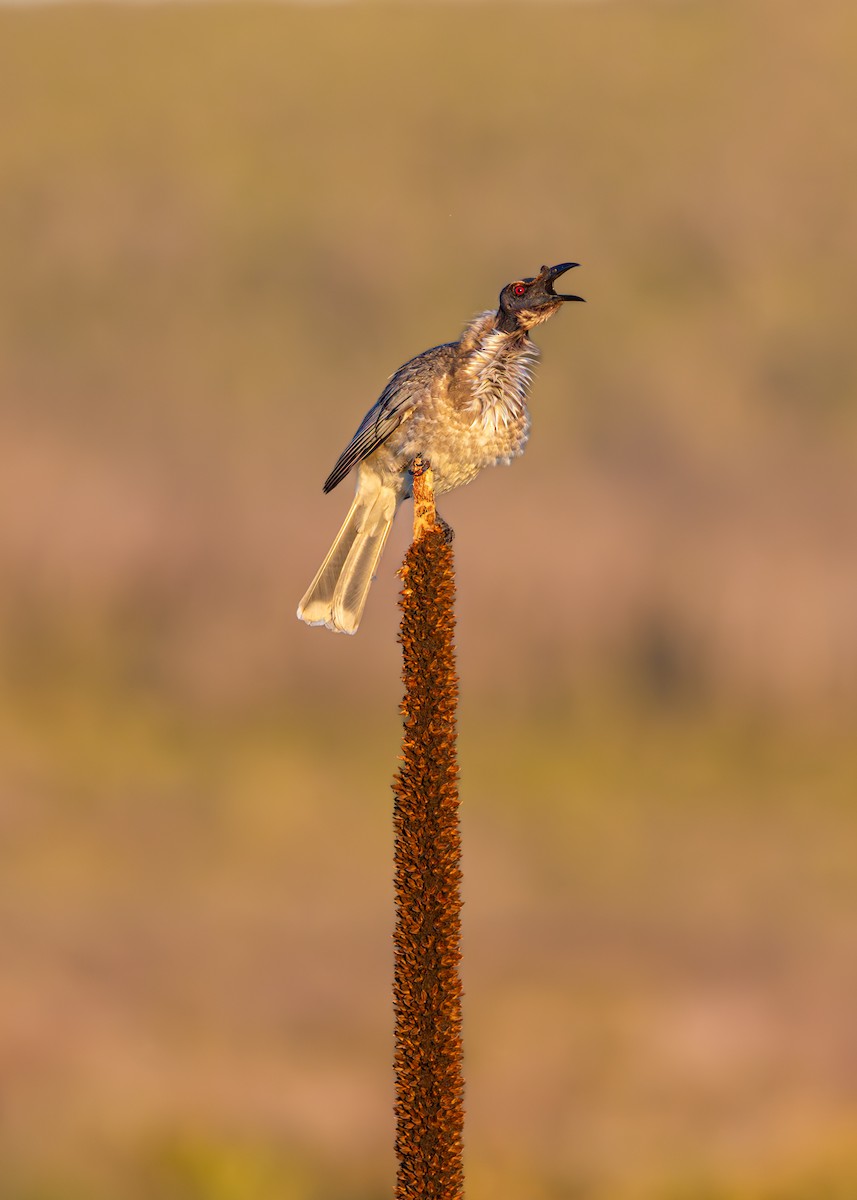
221	227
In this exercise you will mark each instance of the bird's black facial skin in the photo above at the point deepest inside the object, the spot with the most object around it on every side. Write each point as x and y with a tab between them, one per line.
528	302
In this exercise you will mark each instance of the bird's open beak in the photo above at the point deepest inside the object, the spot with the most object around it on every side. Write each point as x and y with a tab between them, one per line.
551	274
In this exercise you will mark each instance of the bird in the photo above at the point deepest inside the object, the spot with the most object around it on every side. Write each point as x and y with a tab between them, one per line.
460	406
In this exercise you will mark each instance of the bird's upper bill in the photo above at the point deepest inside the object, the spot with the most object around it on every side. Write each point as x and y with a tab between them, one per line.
547	276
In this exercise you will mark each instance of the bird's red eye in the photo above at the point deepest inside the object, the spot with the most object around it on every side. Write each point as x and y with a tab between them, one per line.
519	289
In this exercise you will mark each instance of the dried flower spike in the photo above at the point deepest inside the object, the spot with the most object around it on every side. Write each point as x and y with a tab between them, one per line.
427	986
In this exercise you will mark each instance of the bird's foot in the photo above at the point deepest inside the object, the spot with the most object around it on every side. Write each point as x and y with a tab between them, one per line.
447	530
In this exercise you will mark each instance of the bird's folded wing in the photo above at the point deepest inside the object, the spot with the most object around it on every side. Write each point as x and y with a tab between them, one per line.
393	406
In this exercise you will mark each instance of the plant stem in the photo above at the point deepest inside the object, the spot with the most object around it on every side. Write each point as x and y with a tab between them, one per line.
427	986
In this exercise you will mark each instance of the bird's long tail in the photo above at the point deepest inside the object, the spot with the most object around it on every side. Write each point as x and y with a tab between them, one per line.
337	596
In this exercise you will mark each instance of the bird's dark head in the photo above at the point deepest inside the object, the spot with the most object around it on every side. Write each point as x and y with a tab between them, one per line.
527	302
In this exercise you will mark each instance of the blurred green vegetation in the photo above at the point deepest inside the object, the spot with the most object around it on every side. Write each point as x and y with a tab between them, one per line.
221	227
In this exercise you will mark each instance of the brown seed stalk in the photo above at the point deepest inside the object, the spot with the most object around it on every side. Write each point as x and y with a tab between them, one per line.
427	986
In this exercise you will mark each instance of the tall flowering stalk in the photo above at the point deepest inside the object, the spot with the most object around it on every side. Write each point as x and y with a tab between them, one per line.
427	986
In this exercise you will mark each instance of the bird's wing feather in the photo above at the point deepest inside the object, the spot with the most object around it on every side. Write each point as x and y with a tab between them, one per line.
392	407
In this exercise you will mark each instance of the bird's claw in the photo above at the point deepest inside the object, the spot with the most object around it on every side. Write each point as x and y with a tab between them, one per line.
446	529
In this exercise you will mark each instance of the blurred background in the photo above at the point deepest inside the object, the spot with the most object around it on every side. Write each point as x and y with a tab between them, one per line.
221	228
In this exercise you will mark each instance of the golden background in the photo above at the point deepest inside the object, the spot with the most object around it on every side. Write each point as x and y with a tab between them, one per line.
221	228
